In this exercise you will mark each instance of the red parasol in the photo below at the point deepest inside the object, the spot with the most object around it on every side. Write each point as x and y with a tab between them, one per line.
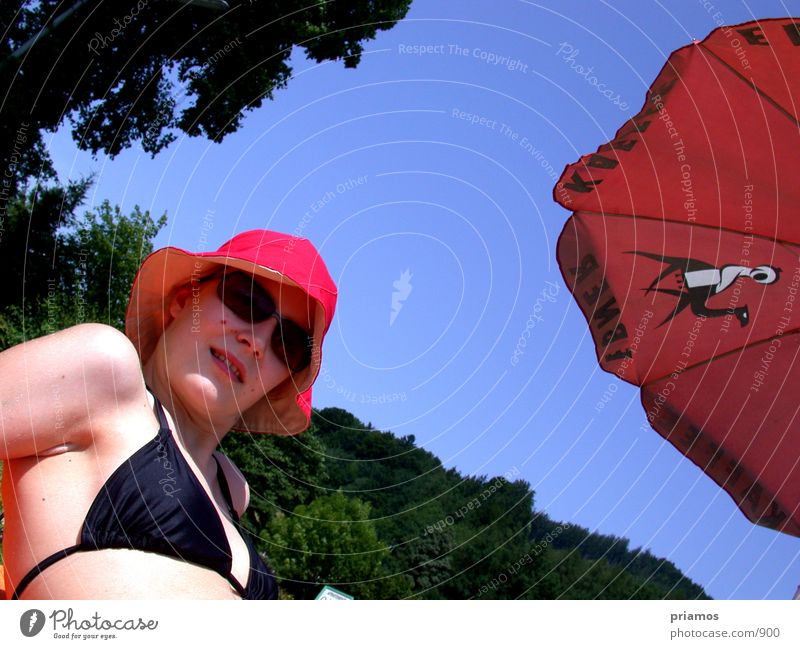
684	254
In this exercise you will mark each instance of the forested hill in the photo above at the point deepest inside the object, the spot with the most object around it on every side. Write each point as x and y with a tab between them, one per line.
378	517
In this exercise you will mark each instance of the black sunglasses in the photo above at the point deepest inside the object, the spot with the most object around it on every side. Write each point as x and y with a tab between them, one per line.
250	301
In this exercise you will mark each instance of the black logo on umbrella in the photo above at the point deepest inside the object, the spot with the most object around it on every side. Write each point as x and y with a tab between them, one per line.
31	622
699	281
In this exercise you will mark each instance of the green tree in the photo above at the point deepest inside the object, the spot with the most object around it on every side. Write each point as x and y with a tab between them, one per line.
654	577
63	269
282	472
430	560
462	536
332	541
104	249
139	71
568	576
32	258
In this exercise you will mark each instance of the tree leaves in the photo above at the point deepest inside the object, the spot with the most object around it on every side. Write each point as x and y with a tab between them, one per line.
123	77
332	541
335	504
60	269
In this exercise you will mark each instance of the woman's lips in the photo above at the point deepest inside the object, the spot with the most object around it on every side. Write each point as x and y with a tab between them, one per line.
228	363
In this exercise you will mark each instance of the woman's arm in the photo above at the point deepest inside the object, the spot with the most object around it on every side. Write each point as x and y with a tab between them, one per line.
58	390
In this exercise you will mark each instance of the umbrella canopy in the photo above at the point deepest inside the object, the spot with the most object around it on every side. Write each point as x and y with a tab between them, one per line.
683	252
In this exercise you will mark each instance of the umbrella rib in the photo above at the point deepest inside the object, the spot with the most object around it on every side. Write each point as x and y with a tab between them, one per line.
738	350
751	82
715	228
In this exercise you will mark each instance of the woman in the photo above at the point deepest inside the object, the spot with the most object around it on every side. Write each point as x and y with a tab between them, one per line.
113	486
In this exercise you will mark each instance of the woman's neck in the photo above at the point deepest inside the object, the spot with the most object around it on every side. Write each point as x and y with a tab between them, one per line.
199	435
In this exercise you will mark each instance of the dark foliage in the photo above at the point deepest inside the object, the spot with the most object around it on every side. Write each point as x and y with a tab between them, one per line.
62	269
450	536
141	70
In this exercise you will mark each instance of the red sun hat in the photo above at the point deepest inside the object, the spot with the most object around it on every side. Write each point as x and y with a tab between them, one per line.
280	257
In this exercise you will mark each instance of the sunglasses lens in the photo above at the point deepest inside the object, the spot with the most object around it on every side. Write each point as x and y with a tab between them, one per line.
242	295
249	301
291	343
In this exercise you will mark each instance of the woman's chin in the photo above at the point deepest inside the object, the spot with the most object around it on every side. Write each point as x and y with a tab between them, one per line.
208	394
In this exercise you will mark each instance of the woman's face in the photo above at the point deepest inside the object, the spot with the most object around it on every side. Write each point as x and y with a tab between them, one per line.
218	363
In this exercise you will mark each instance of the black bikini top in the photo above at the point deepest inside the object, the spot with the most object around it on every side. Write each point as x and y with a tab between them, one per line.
154	502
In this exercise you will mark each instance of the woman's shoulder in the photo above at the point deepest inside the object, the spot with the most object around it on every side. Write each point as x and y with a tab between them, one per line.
98	338
53	387
76	346
101	361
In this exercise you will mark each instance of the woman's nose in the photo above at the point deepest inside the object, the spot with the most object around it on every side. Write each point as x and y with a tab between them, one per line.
257	336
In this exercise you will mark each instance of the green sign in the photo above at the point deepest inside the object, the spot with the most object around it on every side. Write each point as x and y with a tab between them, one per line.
329	592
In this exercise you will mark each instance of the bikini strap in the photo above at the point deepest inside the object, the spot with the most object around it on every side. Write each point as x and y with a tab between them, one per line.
44	564
226	491
159	410
251	550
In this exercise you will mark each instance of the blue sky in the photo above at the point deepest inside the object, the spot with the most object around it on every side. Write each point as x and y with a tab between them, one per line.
427	172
